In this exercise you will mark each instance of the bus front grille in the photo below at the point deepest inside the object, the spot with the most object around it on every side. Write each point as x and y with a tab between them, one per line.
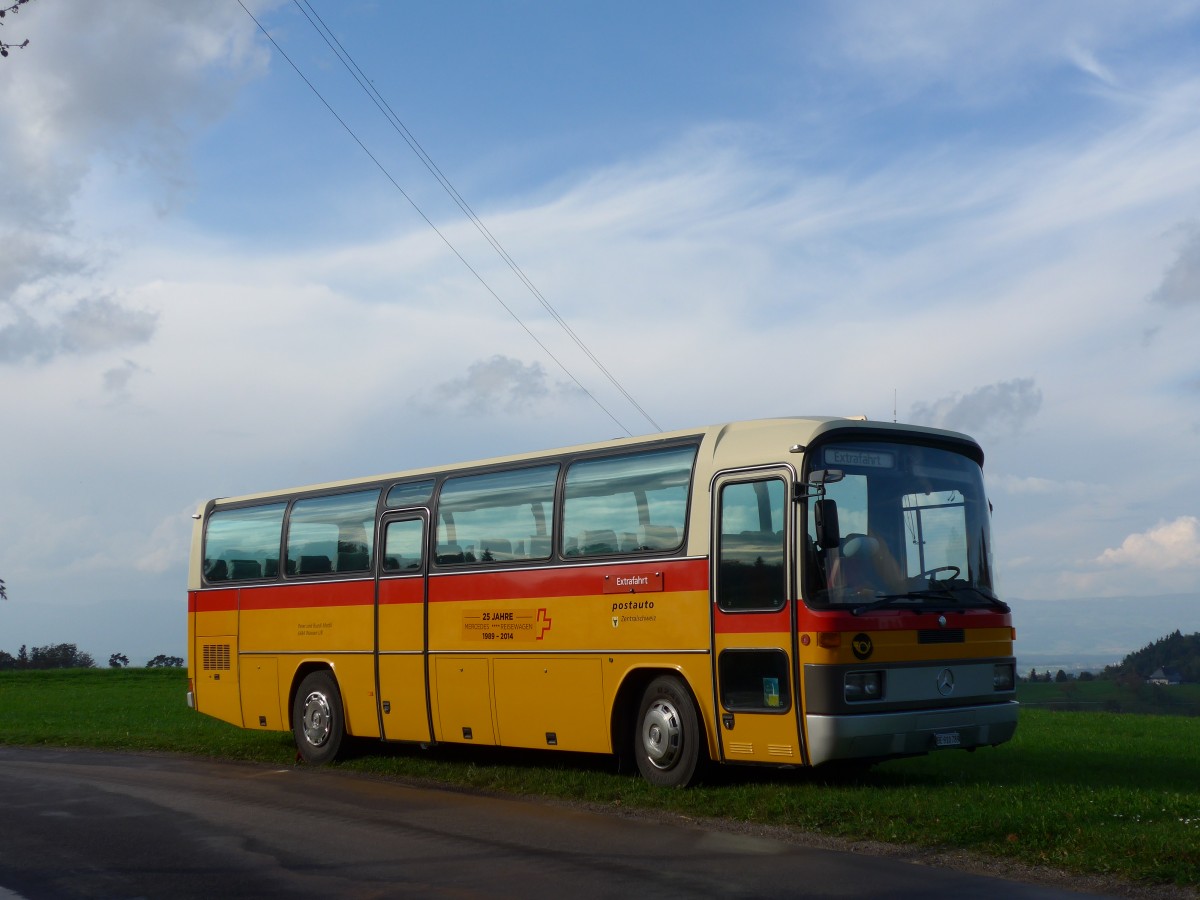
941	636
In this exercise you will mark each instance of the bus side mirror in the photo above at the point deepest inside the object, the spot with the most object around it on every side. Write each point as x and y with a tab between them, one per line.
816	483
825	514
822	477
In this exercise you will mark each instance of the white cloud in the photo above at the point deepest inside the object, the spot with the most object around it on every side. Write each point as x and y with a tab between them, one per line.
116	380
1168	545
495	385
105	93
1033	485
1181	283
1003	408
1086	60
88	325
983	53
126	80
167	544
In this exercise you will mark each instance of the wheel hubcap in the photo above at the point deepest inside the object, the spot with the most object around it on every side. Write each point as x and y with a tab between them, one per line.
317	719
661	734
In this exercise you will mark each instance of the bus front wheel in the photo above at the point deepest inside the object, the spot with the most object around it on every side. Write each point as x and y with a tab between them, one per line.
317	720
666	742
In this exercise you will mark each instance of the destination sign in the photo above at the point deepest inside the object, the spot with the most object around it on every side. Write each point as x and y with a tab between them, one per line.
633	582
859	456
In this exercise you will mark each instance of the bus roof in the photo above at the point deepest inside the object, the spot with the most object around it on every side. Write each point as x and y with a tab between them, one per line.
740	443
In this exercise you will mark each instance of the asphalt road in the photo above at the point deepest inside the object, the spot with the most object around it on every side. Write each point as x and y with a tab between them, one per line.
90	824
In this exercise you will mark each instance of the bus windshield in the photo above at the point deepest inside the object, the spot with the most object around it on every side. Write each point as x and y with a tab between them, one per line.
896	525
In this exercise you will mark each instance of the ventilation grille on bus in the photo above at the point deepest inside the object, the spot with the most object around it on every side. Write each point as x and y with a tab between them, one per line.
941	636
216	656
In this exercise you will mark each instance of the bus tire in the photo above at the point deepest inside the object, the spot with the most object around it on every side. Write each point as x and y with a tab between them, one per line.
318	722
667	738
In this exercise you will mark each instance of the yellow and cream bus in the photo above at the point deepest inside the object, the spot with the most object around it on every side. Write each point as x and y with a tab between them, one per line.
791	591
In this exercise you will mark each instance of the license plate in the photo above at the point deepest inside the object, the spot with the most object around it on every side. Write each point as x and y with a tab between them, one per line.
947	739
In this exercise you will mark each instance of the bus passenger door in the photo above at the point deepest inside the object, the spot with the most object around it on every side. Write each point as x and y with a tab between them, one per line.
753	627
400	628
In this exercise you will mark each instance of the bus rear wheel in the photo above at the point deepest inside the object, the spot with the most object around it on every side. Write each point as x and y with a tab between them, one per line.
666	742
317	719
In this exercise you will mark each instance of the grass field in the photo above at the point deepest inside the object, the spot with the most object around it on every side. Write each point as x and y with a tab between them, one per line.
1089	792
1111	696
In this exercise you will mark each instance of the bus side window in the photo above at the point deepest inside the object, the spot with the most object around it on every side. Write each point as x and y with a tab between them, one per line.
331	534
403	545
496	517
634	503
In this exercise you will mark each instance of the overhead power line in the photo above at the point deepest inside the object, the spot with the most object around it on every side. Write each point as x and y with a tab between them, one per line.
382	105
385	108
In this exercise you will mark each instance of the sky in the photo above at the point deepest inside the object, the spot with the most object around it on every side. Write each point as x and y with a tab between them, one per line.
225	270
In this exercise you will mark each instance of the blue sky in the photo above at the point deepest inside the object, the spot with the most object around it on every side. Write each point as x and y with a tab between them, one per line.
984	216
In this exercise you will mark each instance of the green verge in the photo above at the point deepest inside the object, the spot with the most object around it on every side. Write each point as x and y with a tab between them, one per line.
1088	792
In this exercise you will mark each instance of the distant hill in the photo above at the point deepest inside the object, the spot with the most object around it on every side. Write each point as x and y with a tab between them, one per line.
1096	632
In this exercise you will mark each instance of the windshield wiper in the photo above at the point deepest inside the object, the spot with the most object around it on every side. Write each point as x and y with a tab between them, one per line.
947	593
882	601
985	595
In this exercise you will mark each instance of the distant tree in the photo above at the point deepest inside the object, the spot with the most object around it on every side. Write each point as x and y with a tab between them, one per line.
60	656
1060	677
7	661
118	661
165	662
13	8
22	658
1086	676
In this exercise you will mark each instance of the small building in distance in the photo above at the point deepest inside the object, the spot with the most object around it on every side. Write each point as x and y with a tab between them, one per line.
1164	676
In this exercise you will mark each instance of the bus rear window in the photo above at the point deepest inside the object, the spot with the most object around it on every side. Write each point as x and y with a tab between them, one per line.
242	544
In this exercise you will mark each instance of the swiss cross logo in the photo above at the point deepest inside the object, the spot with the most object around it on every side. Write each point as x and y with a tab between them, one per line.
543	623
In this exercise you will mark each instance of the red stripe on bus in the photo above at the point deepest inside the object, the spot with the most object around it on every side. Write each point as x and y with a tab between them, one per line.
899	620
401	590
213	601
517	584
562	581
309	596
545	584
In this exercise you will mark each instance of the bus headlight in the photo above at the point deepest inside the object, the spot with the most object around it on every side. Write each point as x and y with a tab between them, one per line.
863	686
1002	677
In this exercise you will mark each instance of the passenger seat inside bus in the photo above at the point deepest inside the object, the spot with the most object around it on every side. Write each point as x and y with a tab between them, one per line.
245	568
658	537
449	554
315	565
353	561
601	540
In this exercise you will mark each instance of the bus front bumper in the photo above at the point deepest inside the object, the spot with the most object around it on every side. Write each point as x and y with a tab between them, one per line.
909	733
